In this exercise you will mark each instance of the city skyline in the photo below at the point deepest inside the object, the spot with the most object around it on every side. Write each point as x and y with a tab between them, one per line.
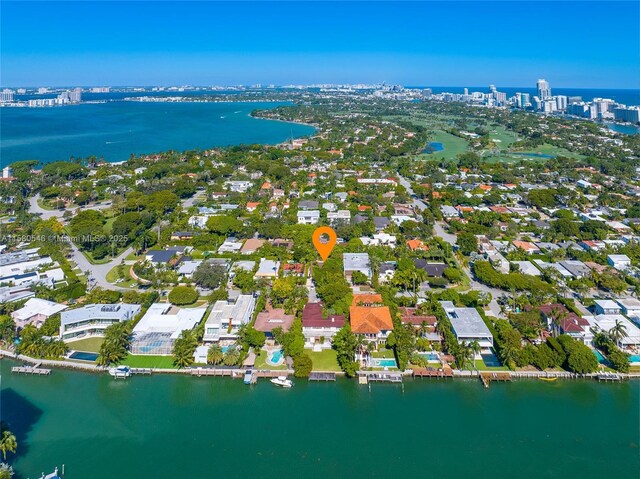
421	43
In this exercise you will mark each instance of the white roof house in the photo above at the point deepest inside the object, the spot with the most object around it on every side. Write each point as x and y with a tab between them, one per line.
468	325
606	322
187	268
356	262
619	261
607	306
36	311
526	267
309	217
226	317
93	319
230	245
267	268
630	306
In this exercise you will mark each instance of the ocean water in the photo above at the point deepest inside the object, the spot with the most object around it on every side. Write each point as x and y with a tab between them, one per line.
168	426
117	129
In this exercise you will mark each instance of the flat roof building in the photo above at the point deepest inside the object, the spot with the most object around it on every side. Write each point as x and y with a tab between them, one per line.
468	325
93	319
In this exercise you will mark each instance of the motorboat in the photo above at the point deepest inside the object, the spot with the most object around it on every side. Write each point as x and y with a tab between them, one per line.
549	379
282	381
248	377
120	372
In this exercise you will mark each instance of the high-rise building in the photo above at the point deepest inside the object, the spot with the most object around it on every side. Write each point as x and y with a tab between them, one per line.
75	95
466	91
561	102
500	97
523	100
6	95
544	90
630	114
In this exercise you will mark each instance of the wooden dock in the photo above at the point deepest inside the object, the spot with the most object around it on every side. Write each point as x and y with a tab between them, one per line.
487	377
327	376
36	369
211	372
608	377
141	371
386	377
432	373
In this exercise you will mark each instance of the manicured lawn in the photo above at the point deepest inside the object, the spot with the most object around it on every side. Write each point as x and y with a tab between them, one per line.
114	274
324	360
142	361
91	345
506	137
383	353
261	362
479	364
453	146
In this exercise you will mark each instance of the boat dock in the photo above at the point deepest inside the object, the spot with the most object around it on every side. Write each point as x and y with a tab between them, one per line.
386	377
326	376
613	377
35	369
141	371
432	373
487	377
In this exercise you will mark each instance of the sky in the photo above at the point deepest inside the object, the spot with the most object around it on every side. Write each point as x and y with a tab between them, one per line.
590	44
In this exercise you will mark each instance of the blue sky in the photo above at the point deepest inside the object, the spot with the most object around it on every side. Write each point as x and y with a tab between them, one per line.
574	44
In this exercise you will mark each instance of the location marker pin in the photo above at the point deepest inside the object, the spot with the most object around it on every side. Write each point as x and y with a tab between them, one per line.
324	248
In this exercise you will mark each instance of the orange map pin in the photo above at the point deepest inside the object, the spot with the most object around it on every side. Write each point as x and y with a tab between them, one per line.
324	247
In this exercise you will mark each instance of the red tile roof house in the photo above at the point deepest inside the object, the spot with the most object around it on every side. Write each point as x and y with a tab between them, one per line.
317	329
272	318
418	321
561	321
526	246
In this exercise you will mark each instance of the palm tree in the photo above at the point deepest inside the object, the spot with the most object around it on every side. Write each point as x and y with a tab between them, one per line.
215	354
618	332
475	348
8	443
464	355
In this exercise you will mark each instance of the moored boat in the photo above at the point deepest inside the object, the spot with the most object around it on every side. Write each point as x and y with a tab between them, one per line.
120	372
547	379
282	381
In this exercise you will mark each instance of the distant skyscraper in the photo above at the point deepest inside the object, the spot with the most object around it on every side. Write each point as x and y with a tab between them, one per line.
492	88
75	96
561	102
466	91
544	90
6	95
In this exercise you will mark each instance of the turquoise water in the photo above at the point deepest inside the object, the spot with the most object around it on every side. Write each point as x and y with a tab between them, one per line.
634	358
429	356
383	363
626	129
176	426
83	356
533	155
433	147
601	358
276	356
117	129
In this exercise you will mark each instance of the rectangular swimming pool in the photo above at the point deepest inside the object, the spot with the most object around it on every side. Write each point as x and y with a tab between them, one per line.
383	363
83	356
601	358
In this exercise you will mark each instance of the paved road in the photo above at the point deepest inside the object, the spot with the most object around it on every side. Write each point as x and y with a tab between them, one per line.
188	203
439	231
34	207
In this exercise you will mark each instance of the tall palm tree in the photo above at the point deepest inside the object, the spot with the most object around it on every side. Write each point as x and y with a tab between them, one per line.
215	354
8	443
464	355
475	348
618	332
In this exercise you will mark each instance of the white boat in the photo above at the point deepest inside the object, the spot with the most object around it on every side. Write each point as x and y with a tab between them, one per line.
248	377
282	381
120	372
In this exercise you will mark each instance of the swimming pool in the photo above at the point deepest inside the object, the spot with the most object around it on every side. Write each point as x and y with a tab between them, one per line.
83	356
383	363
601	358
491	360
276	356
432	357
635	358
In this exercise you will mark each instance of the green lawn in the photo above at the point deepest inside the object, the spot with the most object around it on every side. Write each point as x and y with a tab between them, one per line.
261	362
143	361
91	345
324	360
506	137
114	274
479	364
383	353
453	146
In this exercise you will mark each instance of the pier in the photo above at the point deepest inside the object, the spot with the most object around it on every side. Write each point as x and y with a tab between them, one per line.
141	371
322	376
386	377
487	377
432	373
35	369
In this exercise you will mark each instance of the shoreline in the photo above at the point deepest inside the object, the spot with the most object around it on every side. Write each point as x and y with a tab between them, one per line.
198	371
